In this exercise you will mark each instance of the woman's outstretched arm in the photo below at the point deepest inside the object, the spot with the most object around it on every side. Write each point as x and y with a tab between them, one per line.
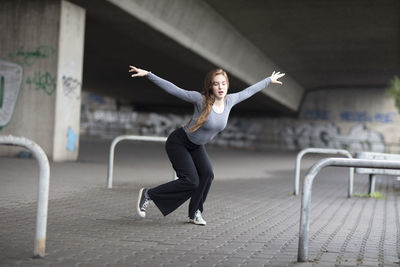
251	90
188	96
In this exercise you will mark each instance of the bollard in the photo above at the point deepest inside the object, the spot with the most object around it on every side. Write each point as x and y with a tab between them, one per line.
43	189
321	151
128	137
302	254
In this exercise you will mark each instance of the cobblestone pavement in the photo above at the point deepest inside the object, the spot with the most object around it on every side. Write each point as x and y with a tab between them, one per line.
251	222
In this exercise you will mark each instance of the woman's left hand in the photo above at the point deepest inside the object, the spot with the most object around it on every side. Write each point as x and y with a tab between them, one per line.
275	76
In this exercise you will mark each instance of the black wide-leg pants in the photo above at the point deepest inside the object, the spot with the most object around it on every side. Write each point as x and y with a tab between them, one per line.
193	167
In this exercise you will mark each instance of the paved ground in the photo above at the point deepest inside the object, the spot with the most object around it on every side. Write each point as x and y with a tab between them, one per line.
253	220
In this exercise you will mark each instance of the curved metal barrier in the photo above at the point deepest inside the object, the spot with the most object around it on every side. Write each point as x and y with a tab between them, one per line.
321	151
307	186
43	190
373	172
127	137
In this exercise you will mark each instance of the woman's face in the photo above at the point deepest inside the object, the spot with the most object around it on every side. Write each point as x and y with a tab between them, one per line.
219	86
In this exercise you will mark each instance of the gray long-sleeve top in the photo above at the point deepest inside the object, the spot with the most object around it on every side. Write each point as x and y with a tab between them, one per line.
216	122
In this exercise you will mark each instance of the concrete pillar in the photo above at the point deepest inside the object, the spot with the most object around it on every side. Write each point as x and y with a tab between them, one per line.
41	60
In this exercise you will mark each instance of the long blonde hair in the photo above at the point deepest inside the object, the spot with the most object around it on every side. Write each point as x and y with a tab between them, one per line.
209	98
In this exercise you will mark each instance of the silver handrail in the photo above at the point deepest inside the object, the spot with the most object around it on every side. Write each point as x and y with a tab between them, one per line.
127	137
307	186
321	151
43	189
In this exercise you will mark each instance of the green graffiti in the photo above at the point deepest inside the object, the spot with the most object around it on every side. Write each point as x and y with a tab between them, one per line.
44	82
30	57
1	91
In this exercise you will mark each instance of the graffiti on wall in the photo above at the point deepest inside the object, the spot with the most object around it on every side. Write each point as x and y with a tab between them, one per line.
317	114
106	123
10	84
360	138
71	87
100	118
239	132
349	116
111	123
29	57
162	125
42	82
72	137
39	80
364	116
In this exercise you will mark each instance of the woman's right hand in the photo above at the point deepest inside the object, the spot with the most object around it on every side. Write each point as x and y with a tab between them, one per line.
139	72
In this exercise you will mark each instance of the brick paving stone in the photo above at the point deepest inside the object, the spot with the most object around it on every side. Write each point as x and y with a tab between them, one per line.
251	222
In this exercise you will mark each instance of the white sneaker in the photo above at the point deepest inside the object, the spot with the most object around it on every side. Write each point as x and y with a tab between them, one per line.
142	203
198	219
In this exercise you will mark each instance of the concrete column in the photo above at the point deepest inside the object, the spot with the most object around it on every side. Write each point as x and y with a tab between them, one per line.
69	81
41	58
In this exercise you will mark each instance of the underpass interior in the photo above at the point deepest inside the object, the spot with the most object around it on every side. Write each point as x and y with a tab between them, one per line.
322	44
343	53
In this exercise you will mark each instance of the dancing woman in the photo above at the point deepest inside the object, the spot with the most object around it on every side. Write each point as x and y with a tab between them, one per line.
185	145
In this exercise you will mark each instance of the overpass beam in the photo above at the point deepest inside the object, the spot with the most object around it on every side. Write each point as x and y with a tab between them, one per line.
197	26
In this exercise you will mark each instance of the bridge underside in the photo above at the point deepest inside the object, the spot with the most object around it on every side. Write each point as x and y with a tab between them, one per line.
320	44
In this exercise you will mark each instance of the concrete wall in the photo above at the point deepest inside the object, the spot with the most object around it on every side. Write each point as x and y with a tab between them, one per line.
33	62
30	41
357	120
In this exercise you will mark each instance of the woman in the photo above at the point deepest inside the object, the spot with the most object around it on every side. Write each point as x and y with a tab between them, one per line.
185	146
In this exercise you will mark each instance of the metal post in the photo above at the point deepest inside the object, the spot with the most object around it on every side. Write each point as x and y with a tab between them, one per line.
43	189
371	186
321	151
127	137
307	187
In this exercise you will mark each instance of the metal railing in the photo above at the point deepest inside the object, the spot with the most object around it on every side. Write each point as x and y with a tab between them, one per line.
373	172
321	151
307	187
43	189
128	137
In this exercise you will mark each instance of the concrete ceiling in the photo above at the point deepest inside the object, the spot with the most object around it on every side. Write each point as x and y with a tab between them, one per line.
321	43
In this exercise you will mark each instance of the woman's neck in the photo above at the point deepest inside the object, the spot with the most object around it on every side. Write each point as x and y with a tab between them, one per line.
219	102
219	105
